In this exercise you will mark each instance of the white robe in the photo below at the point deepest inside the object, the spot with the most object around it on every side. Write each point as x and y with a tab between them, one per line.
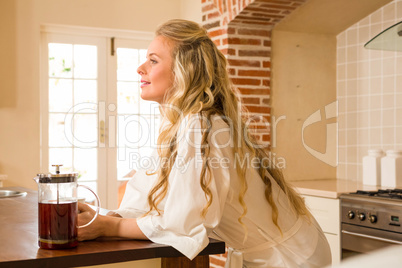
181	225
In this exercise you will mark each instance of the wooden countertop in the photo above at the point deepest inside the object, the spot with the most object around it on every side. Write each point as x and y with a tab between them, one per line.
19	242
329	188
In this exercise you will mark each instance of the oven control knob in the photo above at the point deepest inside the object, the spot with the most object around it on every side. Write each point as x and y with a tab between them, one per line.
351	215
373	218
362	217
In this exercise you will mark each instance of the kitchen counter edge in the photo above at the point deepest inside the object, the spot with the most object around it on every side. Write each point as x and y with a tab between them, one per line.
329	188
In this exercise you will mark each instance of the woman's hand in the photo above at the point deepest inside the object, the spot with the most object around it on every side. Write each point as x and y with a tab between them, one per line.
106	226
114	214
95	229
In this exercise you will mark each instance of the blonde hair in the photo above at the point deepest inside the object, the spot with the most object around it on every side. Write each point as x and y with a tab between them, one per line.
202	86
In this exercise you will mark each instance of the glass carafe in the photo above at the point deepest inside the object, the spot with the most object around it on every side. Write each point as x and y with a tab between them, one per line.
58	210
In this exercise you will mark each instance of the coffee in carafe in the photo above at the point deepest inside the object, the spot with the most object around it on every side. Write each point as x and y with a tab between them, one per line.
58	210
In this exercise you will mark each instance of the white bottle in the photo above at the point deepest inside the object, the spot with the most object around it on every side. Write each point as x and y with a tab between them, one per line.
372	167
391	169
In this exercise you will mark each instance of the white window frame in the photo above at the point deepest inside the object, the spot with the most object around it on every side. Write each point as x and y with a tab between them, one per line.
107	83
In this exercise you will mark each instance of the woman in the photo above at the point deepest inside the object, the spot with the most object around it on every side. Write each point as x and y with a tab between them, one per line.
212	178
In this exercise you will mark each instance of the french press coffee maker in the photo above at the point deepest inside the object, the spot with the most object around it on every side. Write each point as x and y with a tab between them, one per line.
58	209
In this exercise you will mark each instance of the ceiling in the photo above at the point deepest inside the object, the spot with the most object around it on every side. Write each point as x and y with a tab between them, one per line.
328	16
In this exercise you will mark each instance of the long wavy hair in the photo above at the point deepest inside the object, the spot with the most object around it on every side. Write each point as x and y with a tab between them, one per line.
202	86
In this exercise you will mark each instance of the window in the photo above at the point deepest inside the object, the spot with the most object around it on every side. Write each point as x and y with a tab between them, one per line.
93	119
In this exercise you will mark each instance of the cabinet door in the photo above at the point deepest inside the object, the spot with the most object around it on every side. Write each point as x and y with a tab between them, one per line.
326	212
335	245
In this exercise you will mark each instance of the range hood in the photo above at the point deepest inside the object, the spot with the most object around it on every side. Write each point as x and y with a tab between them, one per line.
390	39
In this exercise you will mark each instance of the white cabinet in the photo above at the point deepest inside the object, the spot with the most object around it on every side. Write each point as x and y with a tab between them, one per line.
326	212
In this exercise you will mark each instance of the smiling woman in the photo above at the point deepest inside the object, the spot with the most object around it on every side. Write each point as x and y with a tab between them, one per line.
156	73
189	196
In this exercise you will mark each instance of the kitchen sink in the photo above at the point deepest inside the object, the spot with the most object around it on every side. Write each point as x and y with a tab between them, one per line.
9	193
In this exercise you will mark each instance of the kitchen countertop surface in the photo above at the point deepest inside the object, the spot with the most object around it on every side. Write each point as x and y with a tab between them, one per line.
329	188
19	243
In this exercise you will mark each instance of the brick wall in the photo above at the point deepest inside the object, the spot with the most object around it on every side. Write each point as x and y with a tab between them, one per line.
242	31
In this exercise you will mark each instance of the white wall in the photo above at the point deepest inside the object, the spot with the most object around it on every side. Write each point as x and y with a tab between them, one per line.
20	22
191	10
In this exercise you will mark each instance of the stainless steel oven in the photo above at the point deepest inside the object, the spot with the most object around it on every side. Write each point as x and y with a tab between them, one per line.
370	220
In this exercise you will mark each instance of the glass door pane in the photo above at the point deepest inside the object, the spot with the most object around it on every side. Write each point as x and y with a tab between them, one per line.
93	119
70	113
137	120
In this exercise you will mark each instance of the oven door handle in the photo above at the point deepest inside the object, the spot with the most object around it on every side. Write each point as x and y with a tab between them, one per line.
372	237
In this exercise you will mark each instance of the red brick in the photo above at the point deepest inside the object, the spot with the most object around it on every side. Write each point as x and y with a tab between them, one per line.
268	15
246	81
249	63
277	6
206	8
213	15
217	42
243	41
253	32
251	17
218	4
256	137
224	41
266	101
258	109
247	30
259	91
258	128
254	73
259	9
256	22
267	43
211	25
296	4
231	30
216	33
255	53
264	15
223	4
225	21
259	119
266	64
280	2
228	51
250	100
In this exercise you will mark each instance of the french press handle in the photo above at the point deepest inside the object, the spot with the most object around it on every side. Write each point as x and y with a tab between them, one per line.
98	205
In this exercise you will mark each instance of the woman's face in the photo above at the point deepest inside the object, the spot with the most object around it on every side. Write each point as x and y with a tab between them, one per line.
156	73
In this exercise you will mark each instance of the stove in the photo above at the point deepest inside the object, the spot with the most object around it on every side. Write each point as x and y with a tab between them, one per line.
370	220
388	194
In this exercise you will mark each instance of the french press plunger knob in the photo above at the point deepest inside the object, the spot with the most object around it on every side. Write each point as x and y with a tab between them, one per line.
57	168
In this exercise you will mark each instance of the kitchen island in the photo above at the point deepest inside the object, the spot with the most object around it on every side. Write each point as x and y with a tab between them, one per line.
19	243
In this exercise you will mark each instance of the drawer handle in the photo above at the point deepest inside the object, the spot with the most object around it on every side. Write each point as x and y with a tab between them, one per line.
372	237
